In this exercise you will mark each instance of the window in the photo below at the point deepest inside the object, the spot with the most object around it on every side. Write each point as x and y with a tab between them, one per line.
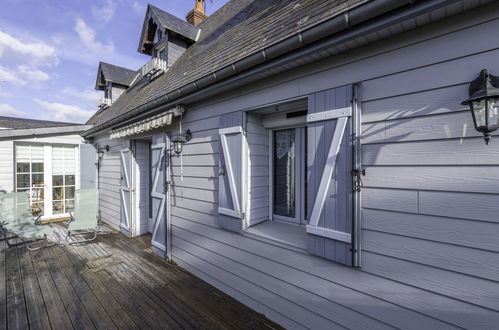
63	178
30	174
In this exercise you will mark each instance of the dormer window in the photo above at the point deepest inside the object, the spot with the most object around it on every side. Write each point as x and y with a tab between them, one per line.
113	81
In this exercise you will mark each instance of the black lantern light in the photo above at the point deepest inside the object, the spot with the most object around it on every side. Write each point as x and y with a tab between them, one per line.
100	151
179	139
484	103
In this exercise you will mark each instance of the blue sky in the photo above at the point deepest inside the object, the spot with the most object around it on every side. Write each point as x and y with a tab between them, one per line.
50	50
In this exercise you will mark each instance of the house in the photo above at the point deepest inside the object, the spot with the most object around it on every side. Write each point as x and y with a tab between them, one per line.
313	159
42	158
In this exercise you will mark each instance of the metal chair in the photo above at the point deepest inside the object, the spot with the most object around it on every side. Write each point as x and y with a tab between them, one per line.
85	219
16	218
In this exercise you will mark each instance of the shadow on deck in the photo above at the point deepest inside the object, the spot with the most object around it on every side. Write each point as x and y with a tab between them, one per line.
113	282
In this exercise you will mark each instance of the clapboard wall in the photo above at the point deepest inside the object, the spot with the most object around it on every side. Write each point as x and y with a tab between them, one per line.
7	165
430	203
109	181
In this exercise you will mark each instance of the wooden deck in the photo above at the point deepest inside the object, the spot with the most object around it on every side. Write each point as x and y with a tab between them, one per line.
113	282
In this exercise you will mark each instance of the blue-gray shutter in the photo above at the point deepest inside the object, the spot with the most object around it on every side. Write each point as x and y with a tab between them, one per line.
329	119
126	188
88	166
160	169
230	201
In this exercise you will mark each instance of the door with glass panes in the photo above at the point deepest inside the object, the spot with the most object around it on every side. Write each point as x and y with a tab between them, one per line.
47	172
289	174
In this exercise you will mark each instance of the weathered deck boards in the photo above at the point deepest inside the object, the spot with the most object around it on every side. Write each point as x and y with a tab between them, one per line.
111	283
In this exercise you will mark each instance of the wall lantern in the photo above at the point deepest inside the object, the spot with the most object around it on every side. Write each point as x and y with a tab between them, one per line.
101	151
179	139
484	103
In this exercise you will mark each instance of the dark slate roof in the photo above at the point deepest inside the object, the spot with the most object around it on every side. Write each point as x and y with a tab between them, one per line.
175	24
25	123
115	74
238	29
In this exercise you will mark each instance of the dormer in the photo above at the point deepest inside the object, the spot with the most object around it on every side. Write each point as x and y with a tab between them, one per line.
113	80
165	38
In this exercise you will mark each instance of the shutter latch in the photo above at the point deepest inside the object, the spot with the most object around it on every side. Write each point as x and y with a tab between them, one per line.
357	181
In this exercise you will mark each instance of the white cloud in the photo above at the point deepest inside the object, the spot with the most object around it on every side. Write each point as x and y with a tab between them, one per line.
9	76
9	111
23	75
35	52
104	13
64	112
86	95
32	74
138	8
88	37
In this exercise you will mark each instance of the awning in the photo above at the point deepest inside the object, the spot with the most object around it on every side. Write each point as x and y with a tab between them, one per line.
163	119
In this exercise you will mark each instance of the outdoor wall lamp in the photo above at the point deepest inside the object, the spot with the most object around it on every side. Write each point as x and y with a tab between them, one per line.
484	103
101	151
179	139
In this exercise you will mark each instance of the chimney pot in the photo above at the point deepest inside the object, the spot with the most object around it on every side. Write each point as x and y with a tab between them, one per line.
197	15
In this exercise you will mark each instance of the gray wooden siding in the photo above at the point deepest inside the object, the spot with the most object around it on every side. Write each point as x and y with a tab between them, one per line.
258	175
175	49
428	262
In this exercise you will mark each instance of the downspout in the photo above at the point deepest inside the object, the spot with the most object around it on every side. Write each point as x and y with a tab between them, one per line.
225	76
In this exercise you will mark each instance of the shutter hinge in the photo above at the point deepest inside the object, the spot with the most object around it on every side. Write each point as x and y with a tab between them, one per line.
357	181
243	215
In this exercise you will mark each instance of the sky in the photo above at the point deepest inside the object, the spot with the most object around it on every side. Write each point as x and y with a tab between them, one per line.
50	51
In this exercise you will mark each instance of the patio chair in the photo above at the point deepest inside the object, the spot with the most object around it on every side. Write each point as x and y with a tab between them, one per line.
16	218
85	219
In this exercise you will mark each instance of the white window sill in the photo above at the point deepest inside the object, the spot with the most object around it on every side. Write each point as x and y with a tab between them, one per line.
280	233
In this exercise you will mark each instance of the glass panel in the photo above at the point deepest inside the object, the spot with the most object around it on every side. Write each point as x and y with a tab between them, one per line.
57	180
69	205
37	153
69	152
22	152
284	172
479	113
37	180
23	181
70	180
37	167
70	192
57	194
22	167
37	195
493	113
57	208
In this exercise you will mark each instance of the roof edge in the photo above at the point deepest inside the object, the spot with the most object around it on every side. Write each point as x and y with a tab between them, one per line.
342	21
58	130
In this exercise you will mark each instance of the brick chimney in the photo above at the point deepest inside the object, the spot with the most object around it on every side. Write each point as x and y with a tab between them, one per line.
197	15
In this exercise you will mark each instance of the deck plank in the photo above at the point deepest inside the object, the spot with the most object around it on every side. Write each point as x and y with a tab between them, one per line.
95	310
58	316
195	293
110	305
35	306
16	312
111	283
